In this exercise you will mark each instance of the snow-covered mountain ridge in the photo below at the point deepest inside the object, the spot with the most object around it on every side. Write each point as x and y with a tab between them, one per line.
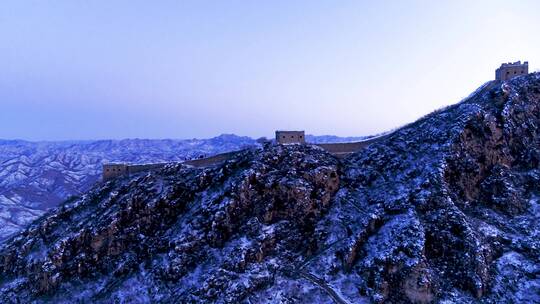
443	210
36	176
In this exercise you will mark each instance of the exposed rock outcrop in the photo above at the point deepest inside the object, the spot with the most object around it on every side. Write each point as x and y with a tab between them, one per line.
445	209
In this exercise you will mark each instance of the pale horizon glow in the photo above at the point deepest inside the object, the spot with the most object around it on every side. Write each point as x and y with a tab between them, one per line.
84	70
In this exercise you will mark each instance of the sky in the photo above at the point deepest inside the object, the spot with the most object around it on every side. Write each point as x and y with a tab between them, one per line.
82	70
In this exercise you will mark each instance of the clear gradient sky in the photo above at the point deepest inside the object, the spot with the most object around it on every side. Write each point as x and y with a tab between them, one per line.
182	69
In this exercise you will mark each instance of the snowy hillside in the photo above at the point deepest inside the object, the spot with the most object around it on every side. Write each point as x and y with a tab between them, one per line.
35	176
443	210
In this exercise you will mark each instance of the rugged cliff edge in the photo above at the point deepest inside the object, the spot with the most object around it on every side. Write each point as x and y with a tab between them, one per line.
443	210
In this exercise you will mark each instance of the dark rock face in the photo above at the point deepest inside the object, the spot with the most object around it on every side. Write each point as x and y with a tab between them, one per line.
443	210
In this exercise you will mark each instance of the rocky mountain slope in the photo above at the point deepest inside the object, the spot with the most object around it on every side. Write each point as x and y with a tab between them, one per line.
442	210
35	176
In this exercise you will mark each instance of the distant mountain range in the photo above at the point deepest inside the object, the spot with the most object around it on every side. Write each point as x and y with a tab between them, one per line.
35	176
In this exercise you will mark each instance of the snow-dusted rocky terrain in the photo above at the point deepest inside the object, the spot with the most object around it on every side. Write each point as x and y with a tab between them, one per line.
443	210
35	176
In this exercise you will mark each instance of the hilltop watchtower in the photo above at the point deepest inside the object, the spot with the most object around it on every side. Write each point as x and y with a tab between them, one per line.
111	171
511	70
290	137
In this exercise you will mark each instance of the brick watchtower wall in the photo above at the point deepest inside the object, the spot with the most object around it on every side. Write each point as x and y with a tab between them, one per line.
290	137
510	70
111	171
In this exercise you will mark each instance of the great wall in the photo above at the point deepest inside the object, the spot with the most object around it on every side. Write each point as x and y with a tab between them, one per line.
113	170
511	69
110	171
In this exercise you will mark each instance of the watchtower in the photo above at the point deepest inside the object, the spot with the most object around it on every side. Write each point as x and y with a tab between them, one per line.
290	137
111	171
510	70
